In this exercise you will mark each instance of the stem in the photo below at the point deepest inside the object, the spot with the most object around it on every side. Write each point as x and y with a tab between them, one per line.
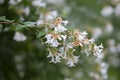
5	22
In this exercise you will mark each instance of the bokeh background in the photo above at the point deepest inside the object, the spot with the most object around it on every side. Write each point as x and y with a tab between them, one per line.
26	59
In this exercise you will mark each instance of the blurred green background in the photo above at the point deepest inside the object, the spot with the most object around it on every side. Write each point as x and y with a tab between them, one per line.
26	60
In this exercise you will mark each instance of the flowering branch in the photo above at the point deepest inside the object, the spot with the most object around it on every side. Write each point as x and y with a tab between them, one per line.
62	43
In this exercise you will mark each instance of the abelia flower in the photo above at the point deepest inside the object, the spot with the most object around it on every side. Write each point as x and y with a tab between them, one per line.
77	43
72	60
52	39
79	35
60	28
56	57
19	37
98	51
65	22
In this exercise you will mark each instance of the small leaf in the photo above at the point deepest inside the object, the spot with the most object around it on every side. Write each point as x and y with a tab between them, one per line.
1	26
41	33
19	27
29	24
3	18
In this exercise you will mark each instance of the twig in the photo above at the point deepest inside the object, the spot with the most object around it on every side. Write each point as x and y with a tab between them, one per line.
5	22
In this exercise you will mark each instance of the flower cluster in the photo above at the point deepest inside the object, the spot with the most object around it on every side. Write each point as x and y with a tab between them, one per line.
63	43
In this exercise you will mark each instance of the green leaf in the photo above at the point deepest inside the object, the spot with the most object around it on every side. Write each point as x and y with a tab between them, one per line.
41	33
29	24
1	26
19	27
3	18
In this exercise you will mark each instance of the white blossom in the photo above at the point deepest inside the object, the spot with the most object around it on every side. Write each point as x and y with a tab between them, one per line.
69	45
97	32
117	10
19	37
51	15
81	35
98	51
107	11
52	41
84	33
60	28
94	75
109	28
65	22
63	37
55	2
14	2
103	69
63	52
27	11
71	61
38	3
56	57
92	40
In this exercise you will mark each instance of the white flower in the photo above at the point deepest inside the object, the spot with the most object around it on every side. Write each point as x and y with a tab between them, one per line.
14	2
109	27
94	75
91	40
82	35
69	45
117	10
51	15
103	69
38	3
63	52
39	22
97	32
63	37
52	41
27	11
56	57
55	2
107	11
65	22
60	28
98	51
72	60
19	37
